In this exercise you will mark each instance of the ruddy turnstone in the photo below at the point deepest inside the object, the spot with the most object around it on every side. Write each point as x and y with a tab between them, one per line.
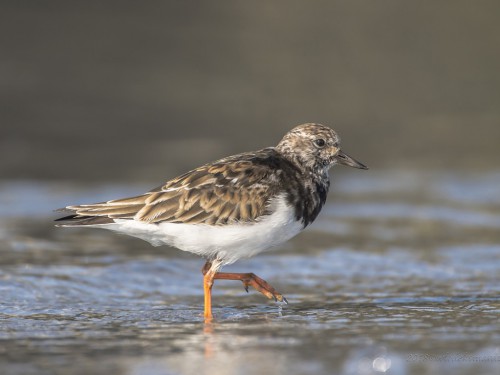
233	208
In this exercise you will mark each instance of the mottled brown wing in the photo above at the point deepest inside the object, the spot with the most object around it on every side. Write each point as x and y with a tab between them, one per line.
235	189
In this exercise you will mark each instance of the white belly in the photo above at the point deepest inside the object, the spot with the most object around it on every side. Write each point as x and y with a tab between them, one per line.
225	242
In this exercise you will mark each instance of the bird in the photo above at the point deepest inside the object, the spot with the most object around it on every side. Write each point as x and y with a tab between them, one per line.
232	208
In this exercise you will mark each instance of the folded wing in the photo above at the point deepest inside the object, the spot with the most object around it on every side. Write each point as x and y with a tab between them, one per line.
235	189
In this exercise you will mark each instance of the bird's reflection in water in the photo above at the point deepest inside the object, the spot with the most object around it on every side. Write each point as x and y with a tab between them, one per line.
209	337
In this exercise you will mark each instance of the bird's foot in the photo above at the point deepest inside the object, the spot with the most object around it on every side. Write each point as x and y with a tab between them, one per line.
251	279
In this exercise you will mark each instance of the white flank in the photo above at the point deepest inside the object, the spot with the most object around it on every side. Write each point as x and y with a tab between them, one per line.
225	242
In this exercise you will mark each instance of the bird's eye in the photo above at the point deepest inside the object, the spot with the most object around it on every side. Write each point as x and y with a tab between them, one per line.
320	142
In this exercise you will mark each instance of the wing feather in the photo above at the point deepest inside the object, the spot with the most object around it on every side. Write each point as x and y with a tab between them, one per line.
234	189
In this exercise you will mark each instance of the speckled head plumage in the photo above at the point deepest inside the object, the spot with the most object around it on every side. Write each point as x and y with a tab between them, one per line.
315	147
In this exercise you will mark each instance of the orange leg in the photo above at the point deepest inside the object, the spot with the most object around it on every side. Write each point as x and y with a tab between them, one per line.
210	273
207	289
251	279
208	281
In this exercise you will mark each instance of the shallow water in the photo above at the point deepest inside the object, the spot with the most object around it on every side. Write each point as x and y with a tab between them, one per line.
400	274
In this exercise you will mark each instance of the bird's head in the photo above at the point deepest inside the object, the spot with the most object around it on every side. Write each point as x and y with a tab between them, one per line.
315	147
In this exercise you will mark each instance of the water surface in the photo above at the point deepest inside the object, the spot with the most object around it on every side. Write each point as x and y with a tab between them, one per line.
400	274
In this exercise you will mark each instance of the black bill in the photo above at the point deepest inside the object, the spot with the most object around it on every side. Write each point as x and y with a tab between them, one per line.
345	159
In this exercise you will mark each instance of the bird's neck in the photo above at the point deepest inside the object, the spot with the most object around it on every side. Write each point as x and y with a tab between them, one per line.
310	192
310	168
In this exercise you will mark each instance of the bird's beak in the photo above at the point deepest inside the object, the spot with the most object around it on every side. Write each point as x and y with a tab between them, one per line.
345	159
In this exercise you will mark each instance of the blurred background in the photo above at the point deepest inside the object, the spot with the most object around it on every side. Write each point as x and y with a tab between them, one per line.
117	91
104	99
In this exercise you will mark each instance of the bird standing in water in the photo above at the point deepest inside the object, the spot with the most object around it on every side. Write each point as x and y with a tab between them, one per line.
233	208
